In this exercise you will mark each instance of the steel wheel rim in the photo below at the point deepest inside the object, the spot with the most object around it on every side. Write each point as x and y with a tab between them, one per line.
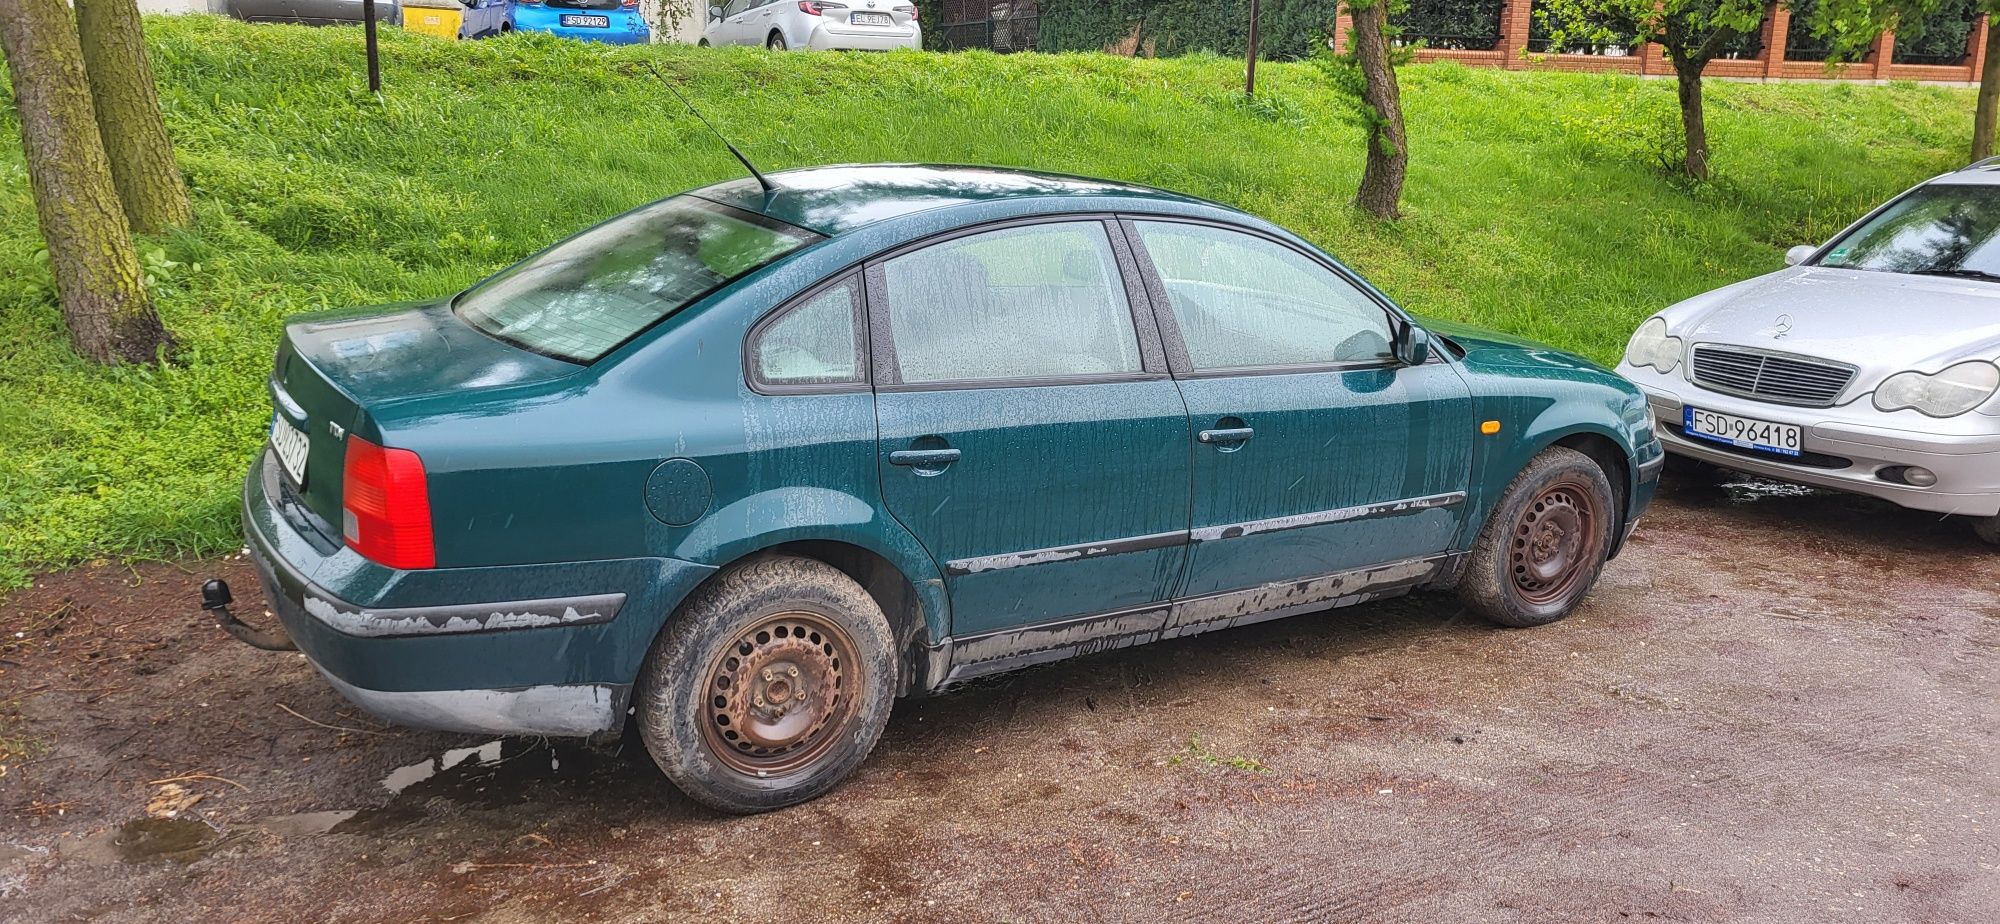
1554	539
781	695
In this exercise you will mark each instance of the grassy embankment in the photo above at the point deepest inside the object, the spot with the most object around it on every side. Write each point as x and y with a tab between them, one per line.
1532	205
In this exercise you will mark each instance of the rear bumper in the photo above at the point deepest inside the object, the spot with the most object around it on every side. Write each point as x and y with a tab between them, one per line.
833	37
544	650
626	27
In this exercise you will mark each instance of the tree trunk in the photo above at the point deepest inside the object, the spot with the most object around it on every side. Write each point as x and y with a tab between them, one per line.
1381	192
96	268
1688	78
1985	111
128	115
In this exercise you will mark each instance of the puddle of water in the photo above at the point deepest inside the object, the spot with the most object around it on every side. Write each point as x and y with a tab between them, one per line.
305	824
498	774
1752	490
11	852
403	778
181	840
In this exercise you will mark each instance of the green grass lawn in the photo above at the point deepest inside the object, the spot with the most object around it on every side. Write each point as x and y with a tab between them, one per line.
1533	206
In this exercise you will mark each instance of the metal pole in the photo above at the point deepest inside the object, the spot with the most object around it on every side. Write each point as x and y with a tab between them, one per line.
374	53
1250	59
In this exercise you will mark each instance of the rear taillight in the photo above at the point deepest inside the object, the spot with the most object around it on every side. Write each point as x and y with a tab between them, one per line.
910	10
628	4
388	506
818	7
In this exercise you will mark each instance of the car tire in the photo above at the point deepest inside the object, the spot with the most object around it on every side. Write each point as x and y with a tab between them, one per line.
1987	528
776	41
769	686
701	44
1545	543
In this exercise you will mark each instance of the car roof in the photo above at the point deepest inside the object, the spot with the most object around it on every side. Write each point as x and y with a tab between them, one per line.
838	199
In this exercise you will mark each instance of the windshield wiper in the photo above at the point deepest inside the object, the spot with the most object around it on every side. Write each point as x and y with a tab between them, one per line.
1959	274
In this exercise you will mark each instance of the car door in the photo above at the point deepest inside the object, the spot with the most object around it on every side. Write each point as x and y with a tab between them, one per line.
1315	451
1030	436
735	28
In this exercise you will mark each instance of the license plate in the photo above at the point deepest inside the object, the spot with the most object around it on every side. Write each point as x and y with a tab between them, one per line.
586	21
291	444
872	19
1744	432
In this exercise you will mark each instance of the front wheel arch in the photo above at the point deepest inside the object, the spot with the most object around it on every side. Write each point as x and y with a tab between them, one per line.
1617	470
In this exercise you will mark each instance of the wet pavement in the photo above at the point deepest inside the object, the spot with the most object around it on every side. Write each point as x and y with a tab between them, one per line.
1779	706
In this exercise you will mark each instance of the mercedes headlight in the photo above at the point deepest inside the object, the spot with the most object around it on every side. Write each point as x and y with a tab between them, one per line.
1650	346
1949	393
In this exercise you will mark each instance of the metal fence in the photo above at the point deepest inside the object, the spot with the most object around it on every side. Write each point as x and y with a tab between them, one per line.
997	28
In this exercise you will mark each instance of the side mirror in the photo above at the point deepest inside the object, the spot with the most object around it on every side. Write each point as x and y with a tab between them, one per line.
1800	254
1413	346
715	12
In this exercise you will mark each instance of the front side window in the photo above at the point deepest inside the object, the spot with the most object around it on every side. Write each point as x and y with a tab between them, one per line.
1943	230
814	343
583	297
1035	301
1244	302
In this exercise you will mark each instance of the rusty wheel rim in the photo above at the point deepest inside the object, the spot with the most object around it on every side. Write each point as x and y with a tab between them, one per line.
1554	539
781	695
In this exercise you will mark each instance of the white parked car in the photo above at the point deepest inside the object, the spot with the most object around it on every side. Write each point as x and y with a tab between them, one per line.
852	25
1867	365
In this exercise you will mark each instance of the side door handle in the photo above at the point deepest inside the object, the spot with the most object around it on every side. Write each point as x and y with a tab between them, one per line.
924	458
1226	435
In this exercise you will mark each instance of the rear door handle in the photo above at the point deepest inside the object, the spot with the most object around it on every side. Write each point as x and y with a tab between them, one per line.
1227	435
923	458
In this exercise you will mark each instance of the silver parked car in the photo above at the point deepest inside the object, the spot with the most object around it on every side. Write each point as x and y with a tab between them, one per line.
821	25
1867	365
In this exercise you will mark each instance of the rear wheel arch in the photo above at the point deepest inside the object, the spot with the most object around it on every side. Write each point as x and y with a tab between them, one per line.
892	588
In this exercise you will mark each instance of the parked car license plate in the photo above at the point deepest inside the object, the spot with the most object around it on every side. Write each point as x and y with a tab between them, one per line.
872	19
586	21
291	445
1761	435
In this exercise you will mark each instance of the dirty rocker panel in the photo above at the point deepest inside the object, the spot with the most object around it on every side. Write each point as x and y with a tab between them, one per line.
958	660
1204	534
1339	515
1064	553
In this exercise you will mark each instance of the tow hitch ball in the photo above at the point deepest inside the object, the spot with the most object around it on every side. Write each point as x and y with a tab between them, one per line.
215	598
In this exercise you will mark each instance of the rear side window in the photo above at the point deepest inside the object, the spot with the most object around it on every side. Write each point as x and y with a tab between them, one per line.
1244	302
815	342
1035	301
583	297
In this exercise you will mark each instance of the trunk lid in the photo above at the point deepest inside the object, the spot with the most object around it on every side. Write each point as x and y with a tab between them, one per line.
334	371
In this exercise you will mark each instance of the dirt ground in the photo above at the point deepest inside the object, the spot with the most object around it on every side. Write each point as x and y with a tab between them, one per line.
1778	706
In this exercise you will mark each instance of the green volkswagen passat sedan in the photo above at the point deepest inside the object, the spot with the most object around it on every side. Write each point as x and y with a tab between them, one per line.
749	464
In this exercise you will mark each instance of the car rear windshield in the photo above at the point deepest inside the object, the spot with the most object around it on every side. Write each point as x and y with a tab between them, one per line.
584	297
1947	229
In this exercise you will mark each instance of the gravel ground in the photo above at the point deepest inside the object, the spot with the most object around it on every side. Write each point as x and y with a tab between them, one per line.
1778	706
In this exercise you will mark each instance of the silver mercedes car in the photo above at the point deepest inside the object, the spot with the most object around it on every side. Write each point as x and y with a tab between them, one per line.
1867	365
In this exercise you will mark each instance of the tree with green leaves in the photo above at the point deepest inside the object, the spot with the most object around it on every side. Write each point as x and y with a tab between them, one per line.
91	253
1690	32
1367	74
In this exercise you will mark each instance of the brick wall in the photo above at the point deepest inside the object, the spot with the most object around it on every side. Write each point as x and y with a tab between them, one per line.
1517	15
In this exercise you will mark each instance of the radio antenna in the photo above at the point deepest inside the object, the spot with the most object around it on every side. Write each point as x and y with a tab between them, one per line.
747	165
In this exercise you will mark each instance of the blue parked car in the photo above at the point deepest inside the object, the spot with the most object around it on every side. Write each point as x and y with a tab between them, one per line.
615	21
